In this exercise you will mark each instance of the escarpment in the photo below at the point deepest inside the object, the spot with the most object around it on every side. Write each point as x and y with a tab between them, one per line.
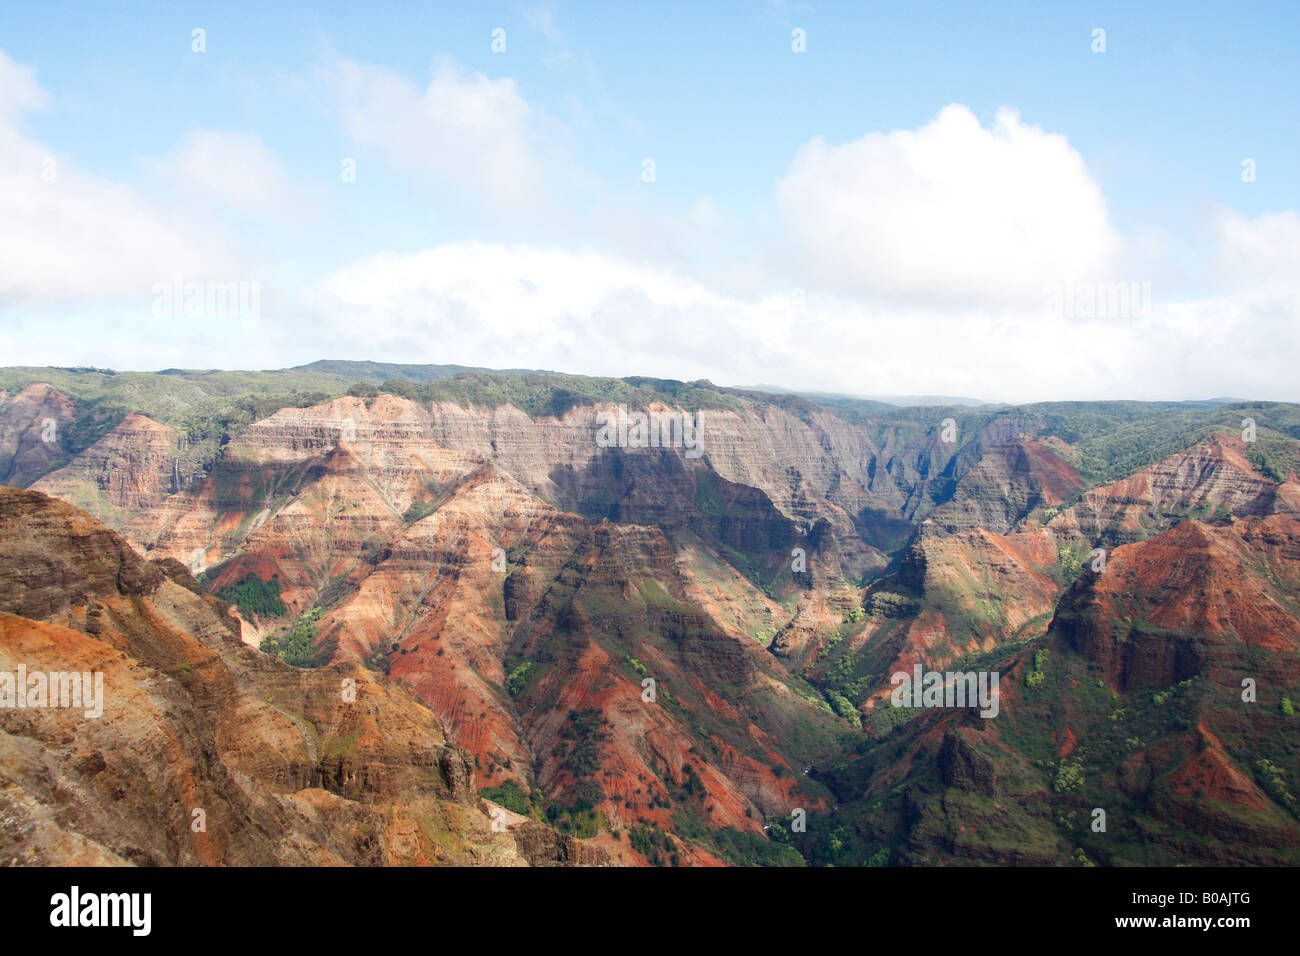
655	654
205	751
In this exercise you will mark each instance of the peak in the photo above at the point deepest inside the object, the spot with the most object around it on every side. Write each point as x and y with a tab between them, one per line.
39	390
134	421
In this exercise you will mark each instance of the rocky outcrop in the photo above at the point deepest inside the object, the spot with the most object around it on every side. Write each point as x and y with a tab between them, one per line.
1210	479
1006	483
128	472
206	752
953	595
1192	601
355	509
528	587
542	846
1160	695
33	433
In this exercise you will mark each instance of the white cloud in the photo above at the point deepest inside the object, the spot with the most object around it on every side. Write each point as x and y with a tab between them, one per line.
238	170
69	237
951	213
463	132
505	305
519	306
1262	254
19	91
925	257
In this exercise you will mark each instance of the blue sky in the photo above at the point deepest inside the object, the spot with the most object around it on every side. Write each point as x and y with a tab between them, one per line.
793	231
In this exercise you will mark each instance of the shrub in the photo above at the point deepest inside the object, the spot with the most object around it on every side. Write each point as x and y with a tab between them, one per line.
295	644
254	595
1069	776
511	796
844	707
1035	675
518	679
418	511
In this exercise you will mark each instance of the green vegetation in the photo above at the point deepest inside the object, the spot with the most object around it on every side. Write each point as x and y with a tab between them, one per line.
844	707
418	511
511	796
1071	563
1035	675
579	819
208	407
548	393
737	847
518	678
1274	457
655	845
1273	779
253	595
582	737
1069	776
295	644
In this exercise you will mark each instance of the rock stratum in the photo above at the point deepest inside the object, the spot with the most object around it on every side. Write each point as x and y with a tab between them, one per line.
643	656
206	751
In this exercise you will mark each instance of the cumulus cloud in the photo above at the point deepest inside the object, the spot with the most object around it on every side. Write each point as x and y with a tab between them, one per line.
464	131
924	256
19	91
69	237
1262	254
236	169
950	213
523	306
503	305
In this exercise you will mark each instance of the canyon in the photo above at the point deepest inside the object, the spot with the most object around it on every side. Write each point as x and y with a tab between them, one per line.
642	655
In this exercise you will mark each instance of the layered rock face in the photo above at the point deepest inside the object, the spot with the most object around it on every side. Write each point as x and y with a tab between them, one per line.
959	590
130	471
529	587
1196	600
1160	696
1005	484
952	596
33	423
506	615
206	751
1211	479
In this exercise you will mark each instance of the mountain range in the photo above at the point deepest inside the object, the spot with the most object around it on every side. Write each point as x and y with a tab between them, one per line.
564	653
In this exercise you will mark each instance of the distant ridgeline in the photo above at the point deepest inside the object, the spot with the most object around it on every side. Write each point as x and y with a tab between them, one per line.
211	407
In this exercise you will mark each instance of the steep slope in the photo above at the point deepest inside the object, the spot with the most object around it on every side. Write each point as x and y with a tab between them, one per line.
129	471
286	766
352	525
33	432
523	582
1133	704
1007	481
1213	478
959	592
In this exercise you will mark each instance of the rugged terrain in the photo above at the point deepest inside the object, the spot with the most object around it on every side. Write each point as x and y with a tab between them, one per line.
661	658
206	751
